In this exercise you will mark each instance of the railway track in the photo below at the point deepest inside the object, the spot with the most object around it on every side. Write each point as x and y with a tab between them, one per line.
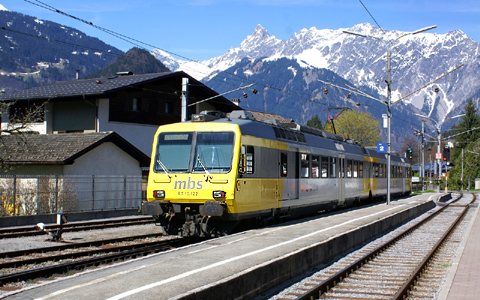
32	264
397	266
23	231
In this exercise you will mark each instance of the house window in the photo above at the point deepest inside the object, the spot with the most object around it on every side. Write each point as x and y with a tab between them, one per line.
21	111
135	104
168	107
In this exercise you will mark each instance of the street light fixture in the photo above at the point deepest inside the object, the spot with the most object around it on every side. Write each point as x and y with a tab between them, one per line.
439	138
389	93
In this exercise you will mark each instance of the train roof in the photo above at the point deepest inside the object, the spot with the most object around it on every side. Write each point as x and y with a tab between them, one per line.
293	132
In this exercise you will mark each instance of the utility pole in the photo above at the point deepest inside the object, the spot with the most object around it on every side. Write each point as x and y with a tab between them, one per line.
184	98
389	94
423	154
462	170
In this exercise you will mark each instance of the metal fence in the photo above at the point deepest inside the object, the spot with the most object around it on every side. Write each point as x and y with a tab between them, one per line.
30	195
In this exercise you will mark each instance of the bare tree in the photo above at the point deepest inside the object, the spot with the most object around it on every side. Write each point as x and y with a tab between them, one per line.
19	124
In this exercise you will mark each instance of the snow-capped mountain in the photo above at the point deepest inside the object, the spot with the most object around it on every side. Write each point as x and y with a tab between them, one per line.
416	60
36	52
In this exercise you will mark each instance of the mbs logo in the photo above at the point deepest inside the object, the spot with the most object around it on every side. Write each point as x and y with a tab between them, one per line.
188	185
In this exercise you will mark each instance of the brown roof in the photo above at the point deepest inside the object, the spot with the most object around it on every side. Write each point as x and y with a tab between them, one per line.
260	116
60	149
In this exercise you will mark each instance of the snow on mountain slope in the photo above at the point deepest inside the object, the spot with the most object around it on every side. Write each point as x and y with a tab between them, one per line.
416	60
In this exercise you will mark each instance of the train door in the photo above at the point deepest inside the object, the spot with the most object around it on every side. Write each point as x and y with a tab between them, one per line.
289	173
341	180
296	173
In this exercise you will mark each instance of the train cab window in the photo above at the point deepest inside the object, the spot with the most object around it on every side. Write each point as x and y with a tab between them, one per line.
173	152
315	166
283	164
360	169
333	167
324	167
355	169
304	162
349	168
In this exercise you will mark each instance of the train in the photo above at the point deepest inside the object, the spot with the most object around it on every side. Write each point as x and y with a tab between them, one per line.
215	173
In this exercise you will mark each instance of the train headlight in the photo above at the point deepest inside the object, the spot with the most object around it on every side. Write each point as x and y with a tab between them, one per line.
219	194
158	194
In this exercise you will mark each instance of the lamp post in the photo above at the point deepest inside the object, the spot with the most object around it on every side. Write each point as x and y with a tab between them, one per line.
438	128
389	93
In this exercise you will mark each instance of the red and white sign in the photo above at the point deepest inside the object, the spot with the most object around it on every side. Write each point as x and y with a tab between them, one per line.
438	155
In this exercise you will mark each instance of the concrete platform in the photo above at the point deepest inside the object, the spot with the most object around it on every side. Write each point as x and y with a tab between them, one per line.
248	263
463	283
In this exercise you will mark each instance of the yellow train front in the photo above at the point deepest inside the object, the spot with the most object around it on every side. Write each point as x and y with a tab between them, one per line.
212	174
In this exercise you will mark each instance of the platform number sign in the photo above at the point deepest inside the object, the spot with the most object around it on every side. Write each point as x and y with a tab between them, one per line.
381	148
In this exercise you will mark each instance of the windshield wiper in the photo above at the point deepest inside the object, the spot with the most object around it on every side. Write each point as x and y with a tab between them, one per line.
205	169
164	168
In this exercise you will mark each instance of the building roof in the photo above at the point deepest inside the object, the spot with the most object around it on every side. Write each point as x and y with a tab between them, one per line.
60	149
107	85
262	116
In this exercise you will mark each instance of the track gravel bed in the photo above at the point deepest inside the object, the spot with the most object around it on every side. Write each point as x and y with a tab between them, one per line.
33	242
382	277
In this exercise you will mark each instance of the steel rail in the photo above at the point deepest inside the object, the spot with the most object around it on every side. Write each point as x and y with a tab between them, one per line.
94	261
97	243
332	281
72	227
73	255
406	287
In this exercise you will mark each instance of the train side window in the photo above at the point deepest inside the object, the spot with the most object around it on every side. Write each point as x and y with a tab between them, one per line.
324	167
283	164
360	169
375	170
349	168
315	166
333	167
246	162
304	162
355	169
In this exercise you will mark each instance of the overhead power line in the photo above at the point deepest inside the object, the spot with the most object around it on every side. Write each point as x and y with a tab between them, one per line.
372	16
138	43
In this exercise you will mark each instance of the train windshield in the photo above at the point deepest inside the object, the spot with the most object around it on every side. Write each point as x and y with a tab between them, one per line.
194	151
213	152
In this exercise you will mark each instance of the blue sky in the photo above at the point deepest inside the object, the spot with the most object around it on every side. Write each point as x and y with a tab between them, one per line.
202	29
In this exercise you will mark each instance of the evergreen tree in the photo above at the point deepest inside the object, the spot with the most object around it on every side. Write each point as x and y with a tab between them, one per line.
468	143
470	121
315	122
